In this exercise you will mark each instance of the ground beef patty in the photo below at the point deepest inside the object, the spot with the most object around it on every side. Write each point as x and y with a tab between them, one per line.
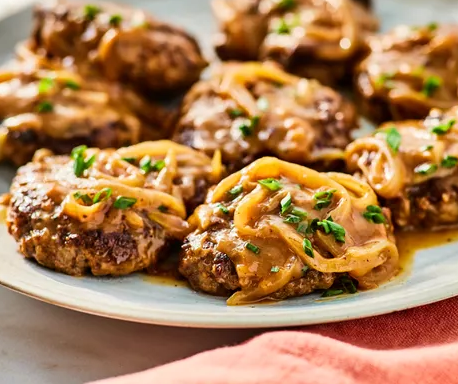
103	215
250	110
125	44
319	39
213	272
412	166
277	230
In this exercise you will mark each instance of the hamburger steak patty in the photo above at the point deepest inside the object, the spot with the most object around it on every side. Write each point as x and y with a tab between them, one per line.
113	218
57	241
213	272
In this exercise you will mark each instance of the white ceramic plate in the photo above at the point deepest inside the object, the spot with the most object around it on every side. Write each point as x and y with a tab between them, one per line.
432	276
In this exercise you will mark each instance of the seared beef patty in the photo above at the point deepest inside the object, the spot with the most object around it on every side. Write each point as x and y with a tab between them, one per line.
298	120
318	39
125	44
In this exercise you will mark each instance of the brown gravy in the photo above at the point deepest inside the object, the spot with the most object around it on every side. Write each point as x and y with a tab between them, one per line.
410	242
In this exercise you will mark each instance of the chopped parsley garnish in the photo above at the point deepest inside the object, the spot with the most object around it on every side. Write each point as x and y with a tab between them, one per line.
237	190
45	85
72	85
323	199
223	209
263	104
102	195
383	80
91	11
247	126
45	107
286	4
292	219
307	246
302	228
374	214
426	169
162	208
329	227
275	269
234	113
449	161
253	248
432	26
304	269
347	284
115	20
123	202
283	28
393	139
442	129
146	165
285	203
426	148
84	197
332	292
80	163
430	85
271	184
130	160
299	212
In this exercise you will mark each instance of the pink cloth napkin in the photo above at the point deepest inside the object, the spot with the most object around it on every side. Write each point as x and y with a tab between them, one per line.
414	346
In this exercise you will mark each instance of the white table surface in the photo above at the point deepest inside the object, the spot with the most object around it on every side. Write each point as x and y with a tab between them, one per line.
43	344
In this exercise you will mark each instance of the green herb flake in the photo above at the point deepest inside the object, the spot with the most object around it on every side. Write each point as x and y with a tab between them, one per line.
307	246
234	113
426	148
80	164
302	228
374	215
393	139
299	212
123	202
91	11
45	107
253	248
332	292
323	199
426	169
247	126
432	26
304	269
329	227
430	85
442	129
45	85
292	219
72	85
286	4
130	160
347	284
271	184
83	197
275	269
115	20
283	28
449	161
102	195
146	165
223	209
383	80
285	203
237	190
263	104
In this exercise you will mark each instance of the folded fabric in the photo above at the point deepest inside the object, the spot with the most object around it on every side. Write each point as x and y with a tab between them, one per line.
299	357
